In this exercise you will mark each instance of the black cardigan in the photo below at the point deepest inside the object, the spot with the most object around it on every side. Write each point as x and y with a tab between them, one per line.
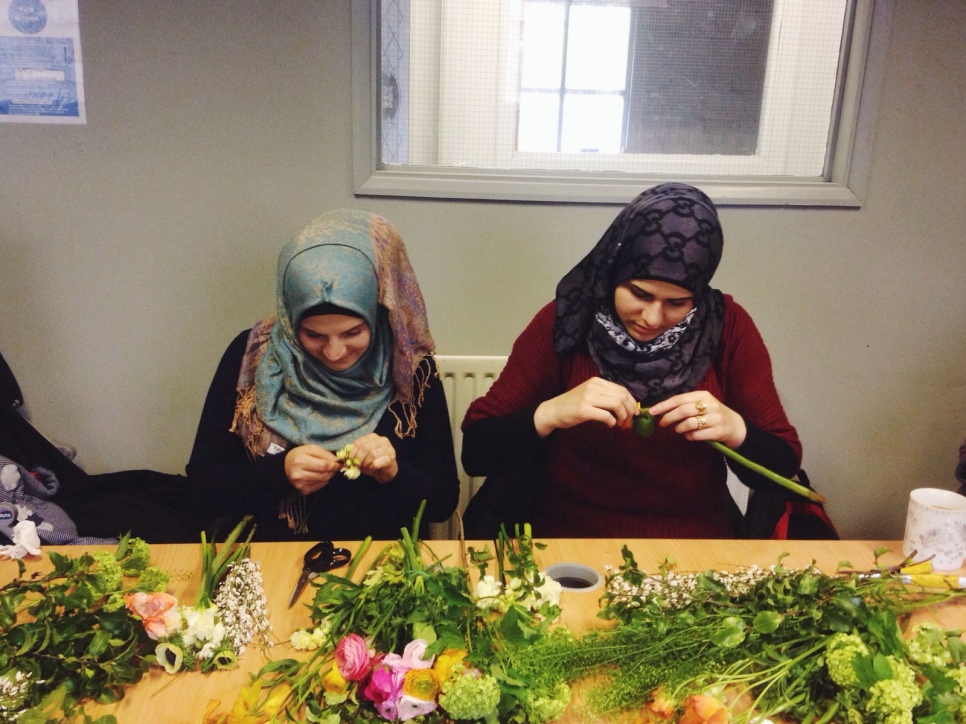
227	483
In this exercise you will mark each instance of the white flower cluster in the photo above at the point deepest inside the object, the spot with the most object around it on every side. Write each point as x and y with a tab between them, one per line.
15	686
676	590
491	595
202	630
242	606
305	640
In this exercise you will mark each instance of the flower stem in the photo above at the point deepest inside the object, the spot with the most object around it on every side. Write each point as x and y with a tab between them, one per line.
791	485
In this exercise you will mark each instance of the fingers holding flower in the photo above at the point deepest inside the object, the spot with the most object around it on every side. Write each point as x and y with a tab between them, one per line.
699	415
375	456
596	400
310	467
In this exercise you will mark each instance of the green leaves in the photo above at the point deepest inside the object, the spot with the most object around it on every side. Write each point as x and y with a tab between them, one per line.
58	629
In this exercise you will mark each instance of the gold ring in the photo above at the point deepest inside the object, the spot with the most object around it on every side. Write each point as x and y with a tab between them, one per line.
702	423
700	406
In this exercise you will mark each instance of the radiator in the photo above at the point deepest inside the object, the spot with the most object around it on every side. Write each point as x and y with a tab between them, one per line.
464	379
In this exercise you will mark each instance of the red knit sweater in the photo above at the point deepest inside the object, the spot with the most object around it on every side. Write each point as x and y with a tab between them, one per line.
608	482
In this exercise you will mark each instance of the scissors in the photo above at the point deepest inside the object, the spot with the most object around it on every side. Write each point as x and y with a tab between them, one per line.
323	556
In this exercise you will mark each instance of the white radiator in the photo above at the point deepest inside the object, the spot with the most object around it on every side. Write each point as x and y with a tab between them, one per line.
464	379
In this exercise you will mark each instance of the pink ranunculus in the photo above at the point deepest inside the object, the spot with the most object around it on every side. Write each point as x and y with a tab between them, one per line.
412	658
157	611
410	706
383	690
352	657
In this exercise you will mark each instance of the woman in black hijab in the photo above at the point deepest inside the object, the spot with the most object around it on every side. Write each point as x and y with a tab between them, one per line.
636	321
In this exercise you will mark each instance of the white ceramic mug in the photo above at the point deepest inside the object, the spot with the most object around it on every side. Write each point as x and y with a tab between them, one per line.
936	526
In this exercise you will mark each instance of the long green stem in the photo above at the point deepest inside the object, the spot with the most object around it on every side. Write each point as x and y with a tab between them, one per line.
797	488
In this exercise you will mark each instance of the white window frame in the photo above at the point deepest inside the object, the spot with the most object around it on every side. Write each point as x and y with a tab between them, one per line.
844	186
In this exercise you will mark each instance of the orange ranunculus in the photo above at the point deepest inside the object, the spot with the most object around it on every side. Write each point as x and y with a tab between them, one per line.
704	709
661	705
447	661
157	612
333	682
421	684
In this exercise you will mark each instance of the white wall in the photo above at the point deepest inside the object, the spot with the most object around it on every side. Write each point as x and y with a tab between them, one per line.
135	247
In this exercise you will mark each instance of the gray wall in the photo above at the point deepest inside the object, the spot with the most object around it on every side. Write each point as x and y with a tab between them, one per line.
135	247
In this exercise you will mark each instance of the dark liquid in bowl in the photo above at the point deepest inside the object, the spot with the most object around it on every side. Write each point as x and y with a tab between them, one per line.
571	582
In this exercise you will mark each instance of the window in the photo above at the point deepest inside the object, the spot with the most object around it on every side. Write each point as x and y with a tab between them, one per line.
757	101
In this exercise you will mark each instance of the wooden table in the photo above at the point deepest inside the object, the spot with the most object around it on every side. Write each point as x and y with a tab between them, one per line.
160	697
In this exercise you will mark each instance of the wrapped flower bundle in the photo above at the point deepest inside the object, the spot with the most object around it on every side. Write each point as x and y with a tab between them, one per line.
413	638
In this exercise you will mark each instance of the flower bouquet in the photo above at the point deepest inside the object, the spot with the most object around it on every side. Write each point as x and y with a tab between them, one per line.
745	646
412	638
230	612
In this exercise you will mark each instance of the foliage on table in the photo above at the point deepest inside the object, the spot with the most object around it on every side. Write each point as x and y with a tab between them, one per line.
229	613
412	640
66	637
98	621
796	644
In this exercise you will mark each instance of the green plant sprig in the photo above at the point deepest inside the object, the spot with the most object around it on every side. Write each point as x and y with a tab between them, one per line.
69	631
768	641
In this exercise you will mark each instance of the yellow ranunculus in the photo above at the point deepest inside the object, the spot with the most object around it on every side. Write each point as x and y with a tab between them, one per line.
446	662
421	684
333	682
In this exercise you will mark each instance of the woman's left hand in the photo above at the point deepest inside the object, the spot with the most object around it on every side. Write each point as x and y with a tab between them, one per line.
376	456
700	415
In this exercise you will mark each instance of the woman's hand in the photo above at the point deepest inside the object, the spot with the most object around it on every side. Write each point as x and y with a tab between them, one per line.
310	468
596	399
376	456
700	416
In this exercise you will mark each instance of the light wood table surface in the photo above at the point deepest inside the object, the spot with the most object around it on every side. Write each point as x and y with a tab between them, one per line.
160	697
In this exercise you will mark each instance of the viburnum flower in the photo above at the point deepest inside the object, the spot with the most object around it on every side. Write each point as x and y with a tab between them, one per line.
471	695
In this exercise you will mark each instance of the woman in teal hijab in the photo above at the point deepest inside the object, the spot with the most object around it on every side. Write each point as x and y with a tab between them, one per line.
330	416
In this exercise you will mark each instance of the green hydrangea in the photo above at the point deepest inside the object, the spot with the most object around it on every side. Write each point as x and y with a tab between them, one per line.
958	675
841	651
107	572
138	555
893	700
928	646
470	696
550	706
152	580
114	602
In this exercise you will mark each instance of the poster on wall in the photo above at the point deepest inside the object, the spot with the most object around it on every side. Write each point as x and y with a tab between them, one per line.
41	75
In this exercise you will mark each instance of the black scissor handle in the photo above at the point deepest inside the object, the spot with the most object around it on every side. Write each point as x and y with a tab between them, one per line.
324	556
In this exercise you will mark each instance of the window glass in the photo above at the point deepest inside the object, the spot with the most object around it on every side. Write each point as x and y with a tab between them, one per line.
626	89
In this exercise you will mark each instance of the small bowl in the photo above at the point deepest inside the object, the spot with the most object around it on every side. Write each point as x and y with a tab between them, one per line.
574	576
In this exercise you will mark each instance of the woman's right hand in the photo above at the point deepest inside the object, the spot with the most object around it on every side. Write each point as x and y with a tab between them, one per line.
310	468
596	399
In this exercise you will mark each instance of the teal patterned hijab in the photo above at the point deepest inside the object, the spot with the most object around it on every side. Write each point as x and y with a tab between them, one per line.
332	261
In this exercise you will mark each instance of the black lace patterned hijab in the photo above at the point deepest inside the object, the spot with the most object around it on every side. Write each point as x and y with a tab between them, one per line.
669	233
